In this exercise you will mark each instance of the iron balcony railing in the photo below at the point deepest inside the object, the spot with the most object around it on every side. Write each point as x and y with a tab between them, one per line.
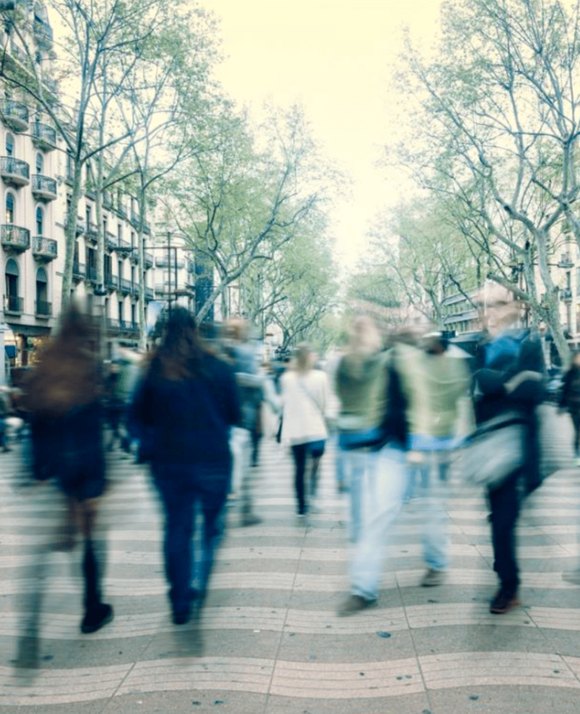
14	237
43	187
13	304
15	114
43	308
14	171
44	248
43	136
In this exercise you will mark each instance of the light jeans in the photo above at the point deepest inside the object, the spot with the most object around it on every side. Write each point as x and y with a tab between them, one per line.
360	467
241	447
387	487
432	497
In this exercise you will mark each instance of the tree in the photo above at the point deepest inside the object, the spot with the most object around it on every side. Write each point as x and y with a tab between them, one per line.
239	203
500	120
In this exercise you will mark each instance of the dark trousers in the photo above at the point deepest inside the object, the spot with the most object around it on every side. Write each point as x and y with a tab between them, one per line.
93	567
189	556
575	416
505	505
301	454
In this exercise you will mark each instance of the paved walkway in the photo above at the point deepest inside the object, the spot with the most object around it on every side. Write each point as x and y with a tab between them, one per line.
269	640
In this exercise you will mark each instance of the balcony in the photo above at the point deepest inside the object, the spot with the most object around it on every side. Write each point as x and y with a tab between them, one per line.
565	261
14	238
566	295
111	282
125	285
123	246
149	294
13	305
43	136
43	34
110	240
14	171
43	187
14	114
78	271
92	273
43	309
92	232
45	249
170	262
122	212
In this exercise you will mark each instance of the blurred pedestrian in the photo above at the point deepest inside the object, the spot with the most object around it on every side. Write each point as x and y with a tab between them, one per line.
570	398
241	353
508	381
184	409
434	382
5	412
63	400
305	400
360	383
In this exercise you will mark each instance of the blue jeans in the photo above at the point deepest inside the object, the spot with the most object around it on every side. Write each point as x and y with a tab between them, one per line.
359	465
185	498
433	477
385	501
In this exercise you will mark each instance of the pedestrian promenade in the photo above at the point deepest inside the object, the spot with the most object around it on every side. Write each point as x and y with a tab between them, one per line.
269	640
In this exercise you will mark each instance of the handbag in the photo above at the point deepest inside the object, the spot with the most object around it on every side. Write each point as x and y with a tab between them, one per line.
493	451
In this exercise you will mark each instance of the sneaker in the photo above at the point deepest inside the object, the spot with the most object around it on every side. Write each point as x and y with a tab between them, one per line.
354	604
572	576
432	578
503	602
94	619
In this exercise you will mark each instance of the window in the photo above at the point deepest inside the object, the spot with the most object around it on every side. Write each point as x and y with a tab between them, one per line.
120	268
12	277
10	204
41	292
39	163
120	311
39	221
9	145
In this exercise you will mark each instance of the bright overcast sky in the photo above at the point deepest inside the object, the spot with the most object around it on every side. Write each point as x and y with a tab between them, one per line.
335	57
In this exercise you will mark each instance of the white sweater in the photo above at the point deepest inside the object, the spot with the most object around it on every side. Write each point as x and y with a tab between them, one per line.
305	400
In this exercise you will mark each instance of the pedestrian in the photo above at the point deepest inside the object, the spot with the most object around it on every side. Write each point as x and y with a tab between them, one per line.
360	383
385	492
305	400
184	410
434	382
570	398
241	353
508	381
5	412
63	399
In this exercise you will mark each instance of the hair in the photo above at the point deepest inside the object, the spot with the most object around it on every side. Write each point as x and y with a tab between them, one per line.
180	351
68	373
303	357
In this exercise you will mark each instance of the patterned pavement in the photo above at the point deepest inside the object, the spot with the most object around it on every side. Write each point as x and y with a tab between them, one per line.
269	640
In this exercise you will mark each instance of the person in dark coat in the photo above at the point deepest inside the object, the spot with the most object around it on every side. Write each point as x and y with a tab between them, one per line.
184	409
63	401
570	398
509	380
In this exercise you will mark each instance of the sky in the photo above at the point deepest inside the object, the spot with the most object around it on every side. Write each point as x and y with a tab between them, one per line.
335	57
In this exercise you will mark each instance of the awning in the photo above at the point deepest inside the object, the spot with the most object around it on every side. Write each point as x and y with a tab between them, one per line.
10	351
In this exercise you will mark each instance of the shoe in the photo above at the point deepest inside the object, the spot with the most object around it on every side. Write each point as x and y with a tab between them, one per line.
432	578
354	604
250	519
94	619
180	617
572	576
503	602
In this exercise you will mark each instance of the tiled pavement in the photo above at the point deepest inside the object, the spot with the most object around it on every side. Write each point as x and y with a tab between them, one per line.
269	640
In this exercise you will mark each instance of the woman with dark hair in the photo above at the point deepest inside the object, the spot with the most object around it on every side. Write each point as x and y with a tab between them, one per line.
63	400
305	400
183	410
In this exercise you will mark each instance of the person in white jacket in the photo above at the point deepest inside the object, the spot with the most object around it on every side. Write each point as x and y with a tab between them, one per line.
305	400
